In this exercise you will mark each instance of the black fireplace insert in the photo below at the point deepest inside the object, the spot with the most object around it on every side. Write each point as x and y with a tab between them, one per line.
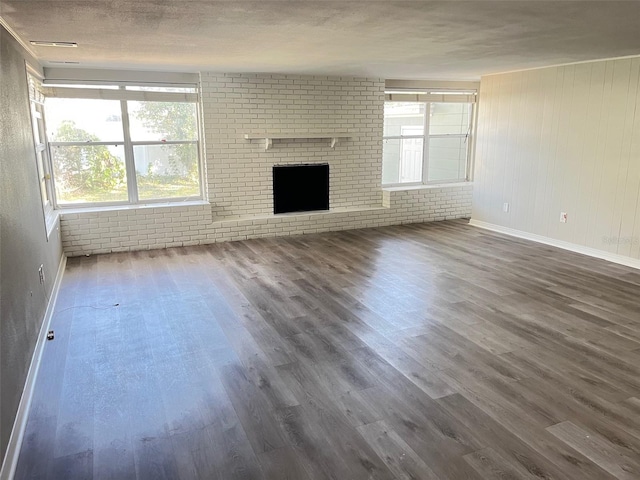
300	188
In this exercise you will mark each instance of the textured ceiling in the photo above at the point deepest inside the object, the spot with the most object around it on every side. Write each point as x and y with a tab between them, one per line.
405	40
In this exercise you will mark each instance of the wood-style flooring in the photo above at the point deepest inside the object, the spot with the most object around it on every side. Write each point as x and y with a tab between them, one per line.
432	351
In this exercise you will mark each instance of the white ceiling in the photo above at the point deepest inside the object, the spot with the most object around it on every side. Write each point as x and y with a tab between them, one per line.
406	40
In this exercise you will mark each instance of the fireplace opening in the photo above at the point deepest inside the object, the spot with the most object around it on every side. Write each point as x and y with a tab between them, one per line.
300	188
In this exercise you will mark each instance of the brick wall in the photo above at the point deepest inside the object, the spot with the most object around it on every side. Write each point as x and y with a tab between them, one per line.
239	177
238	172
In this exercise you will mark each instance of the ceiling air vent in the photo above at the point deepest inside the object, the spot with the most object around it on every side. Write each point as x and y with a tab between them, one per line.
39	43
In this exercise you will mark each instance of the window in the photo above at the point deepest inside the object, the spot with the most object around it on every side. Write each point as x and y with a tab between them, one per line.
124	145
425	142
39	137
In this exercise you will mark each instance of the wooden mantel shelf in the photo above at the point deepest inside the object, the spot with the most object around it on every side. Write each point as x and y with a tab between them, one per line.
269	138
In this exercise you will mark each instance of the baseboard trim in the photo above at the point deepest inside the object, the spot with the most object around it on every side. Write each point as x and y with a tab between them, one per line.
19	425
573	247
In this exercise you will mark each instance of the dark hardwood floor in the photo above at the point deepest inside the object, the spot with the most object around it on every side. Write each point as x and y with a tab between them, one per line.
434	351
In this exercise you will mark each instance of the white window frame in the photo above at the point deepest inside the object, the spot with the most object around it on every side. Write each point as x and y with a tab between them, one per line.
43	165
41	150
123	95
427	98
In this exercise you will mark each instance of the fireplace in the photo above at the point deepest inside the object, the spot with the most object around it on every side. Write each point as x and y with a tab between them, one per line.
300	188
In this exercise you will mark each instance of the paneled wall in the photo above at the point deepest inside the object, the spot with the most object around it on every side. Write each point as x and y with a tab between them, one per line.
563	139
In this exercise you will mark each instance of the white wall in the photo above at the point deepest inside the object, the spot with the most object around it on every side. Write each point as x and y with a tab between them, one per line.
563	139
238	172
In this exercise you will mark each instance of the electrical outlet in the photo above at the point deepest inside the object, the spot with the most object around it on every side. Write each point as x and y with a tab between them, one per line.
563	217
505	207
41	274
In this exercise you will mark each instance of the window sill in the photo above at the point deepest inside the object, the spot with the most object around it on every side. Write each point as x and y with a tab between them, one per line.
400	188
140	206
51	221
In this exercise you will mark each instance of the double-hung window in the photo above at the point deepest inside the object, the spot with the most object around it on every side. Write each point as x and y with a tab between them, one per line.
426	138
113	144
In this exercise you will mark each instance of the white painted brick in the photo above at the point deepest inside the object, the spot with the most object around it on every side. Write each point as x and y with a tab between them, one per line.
238	172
